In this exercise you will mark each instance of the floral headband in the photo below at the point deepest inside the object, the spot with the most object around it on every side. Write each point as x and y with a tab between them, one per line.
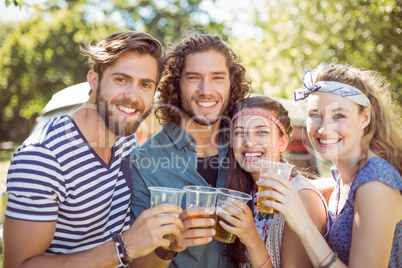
260	113
336	88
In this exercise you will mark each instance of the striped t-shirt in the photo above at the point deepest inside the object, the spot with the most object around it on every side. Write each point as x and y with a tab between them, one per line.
55	175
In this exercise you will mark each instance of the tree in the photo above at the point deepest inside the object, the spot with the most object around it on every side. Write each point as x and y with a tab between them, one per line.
297	35
38	58
41	56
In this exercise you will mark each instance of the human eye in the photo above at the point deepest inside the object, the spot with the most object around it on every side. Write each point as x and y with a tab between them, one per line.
262	132
192	77
120	79
339	116
239	133
146	85
314	115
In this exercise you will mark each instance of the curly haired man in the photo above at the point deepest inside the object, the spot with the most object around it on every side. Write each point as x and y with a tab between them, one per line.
202	82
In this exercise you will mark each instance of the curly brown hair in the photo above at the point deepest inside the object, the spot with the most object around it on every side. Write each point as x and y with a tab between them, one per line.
109	49
168	106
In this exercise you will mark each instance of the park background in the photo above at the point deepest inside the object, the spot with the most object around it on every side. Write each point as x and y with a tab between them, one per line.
277	41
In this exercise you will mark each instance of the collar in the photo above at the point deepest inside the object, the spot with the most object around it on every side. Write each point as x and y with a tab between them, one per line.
181	138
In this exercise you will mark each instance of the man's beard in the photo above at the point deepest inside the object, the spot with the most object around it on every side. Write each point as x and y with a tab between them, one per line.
202	120
119	125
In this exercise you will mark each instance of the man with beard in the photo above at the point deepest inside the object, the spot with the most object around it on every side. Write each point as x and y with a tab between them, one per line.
202	82
69	183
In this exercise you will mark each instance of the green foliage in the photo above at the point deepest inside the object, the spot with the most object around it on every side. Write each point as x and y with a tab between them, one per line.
296	35
38	58
165	20
41	56
15	2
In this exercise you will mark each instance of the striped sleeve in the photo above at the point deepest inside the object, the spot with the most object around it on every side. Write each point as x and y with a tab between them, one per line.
35	185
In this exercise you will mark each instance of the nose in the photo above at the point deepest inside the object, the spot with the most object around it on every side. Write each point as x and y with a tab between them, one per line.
132	93
206	88
248	141
326	126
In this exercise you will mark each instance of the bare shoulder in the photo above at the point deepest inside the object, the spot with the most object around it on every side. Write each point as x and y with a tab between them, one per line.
376	197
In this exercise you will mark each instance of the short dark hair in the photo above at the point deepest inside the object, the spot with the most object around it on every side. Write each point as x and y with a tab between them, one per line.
102	55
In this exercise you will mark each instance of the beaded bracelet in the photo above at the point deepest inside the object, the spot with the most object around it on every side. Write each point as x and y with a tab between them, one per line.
265	263
122	251
333	259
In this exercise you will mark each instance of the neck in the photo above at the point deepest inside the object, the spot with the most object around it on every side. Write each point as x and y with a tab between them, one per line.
206	137
93	128
349	167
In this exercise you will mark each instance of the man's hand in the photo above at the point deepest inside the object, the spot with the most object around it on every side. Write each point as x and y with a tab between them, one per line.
148	230
196	230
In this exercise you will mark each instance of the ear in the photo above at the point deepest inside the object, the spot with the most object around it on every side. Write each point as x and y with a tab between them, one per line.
93	80
365	117
283	142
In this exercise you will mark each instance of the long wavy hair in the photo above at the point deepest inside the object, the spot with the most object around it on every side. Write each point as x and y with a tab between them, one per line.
168	106
239	179
382	135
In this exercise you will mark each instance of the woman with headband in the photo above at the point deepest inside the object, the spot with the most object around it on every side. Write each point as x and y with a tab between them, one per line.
261	129
349	123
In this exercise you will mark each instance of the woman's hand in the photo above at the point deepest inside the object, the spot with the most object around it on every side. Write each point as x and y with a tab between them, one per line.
287	201
242	222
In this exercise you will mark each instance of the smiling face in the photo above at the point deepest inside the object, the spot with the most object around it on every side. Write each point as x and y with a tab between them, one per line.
126	91
204	87
335	126
255	138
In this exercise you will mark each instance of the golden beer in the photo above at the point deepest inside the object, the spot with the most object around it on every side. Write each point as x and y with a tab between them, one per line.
210	216
221	234
263	208
271	170
169	237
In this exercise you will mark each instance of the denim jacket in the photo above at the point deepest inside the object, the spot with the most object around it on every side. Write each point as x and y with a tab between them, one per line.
169	159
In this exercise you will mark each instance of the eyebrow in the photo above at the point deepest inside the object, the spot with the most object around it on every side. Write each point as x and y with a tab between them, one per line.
260	126
197	73
149	80
340	109
333	110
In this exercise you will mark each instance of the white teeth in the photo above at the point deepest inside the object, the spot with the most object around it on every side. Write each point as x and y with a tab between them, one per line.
252	154
328	141
207	103
126	109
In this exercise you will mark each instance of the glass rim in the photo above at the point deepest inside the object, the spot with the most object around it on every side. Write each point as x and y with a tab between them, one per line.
279	162
203	189
244	196
167	189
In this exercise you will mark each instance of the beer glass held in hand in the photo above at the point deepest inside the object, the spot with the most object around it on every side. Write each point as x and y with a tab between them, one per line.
273	170
224	199
201	196
166	195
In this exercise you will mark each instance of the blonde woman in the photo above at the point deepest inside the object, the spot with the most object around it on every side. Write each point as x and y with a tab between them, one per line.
349	123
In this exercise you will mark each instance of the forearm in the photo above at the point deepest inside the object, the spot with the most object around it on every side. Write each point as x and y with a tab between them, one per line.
258	254
316	247
150	260
104	255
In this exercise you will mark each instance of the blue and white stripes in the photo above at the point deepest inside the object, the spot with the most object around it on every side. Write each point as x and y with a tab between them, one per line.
56	176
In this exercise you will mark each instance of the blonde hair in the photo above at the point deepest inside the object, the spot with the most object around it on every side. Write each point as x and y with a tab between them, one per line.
382	136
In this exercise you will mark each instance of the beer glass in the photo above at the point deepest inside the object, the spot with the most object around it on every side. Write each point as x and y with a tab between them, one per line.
201	196
223	199
166	195
275	170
